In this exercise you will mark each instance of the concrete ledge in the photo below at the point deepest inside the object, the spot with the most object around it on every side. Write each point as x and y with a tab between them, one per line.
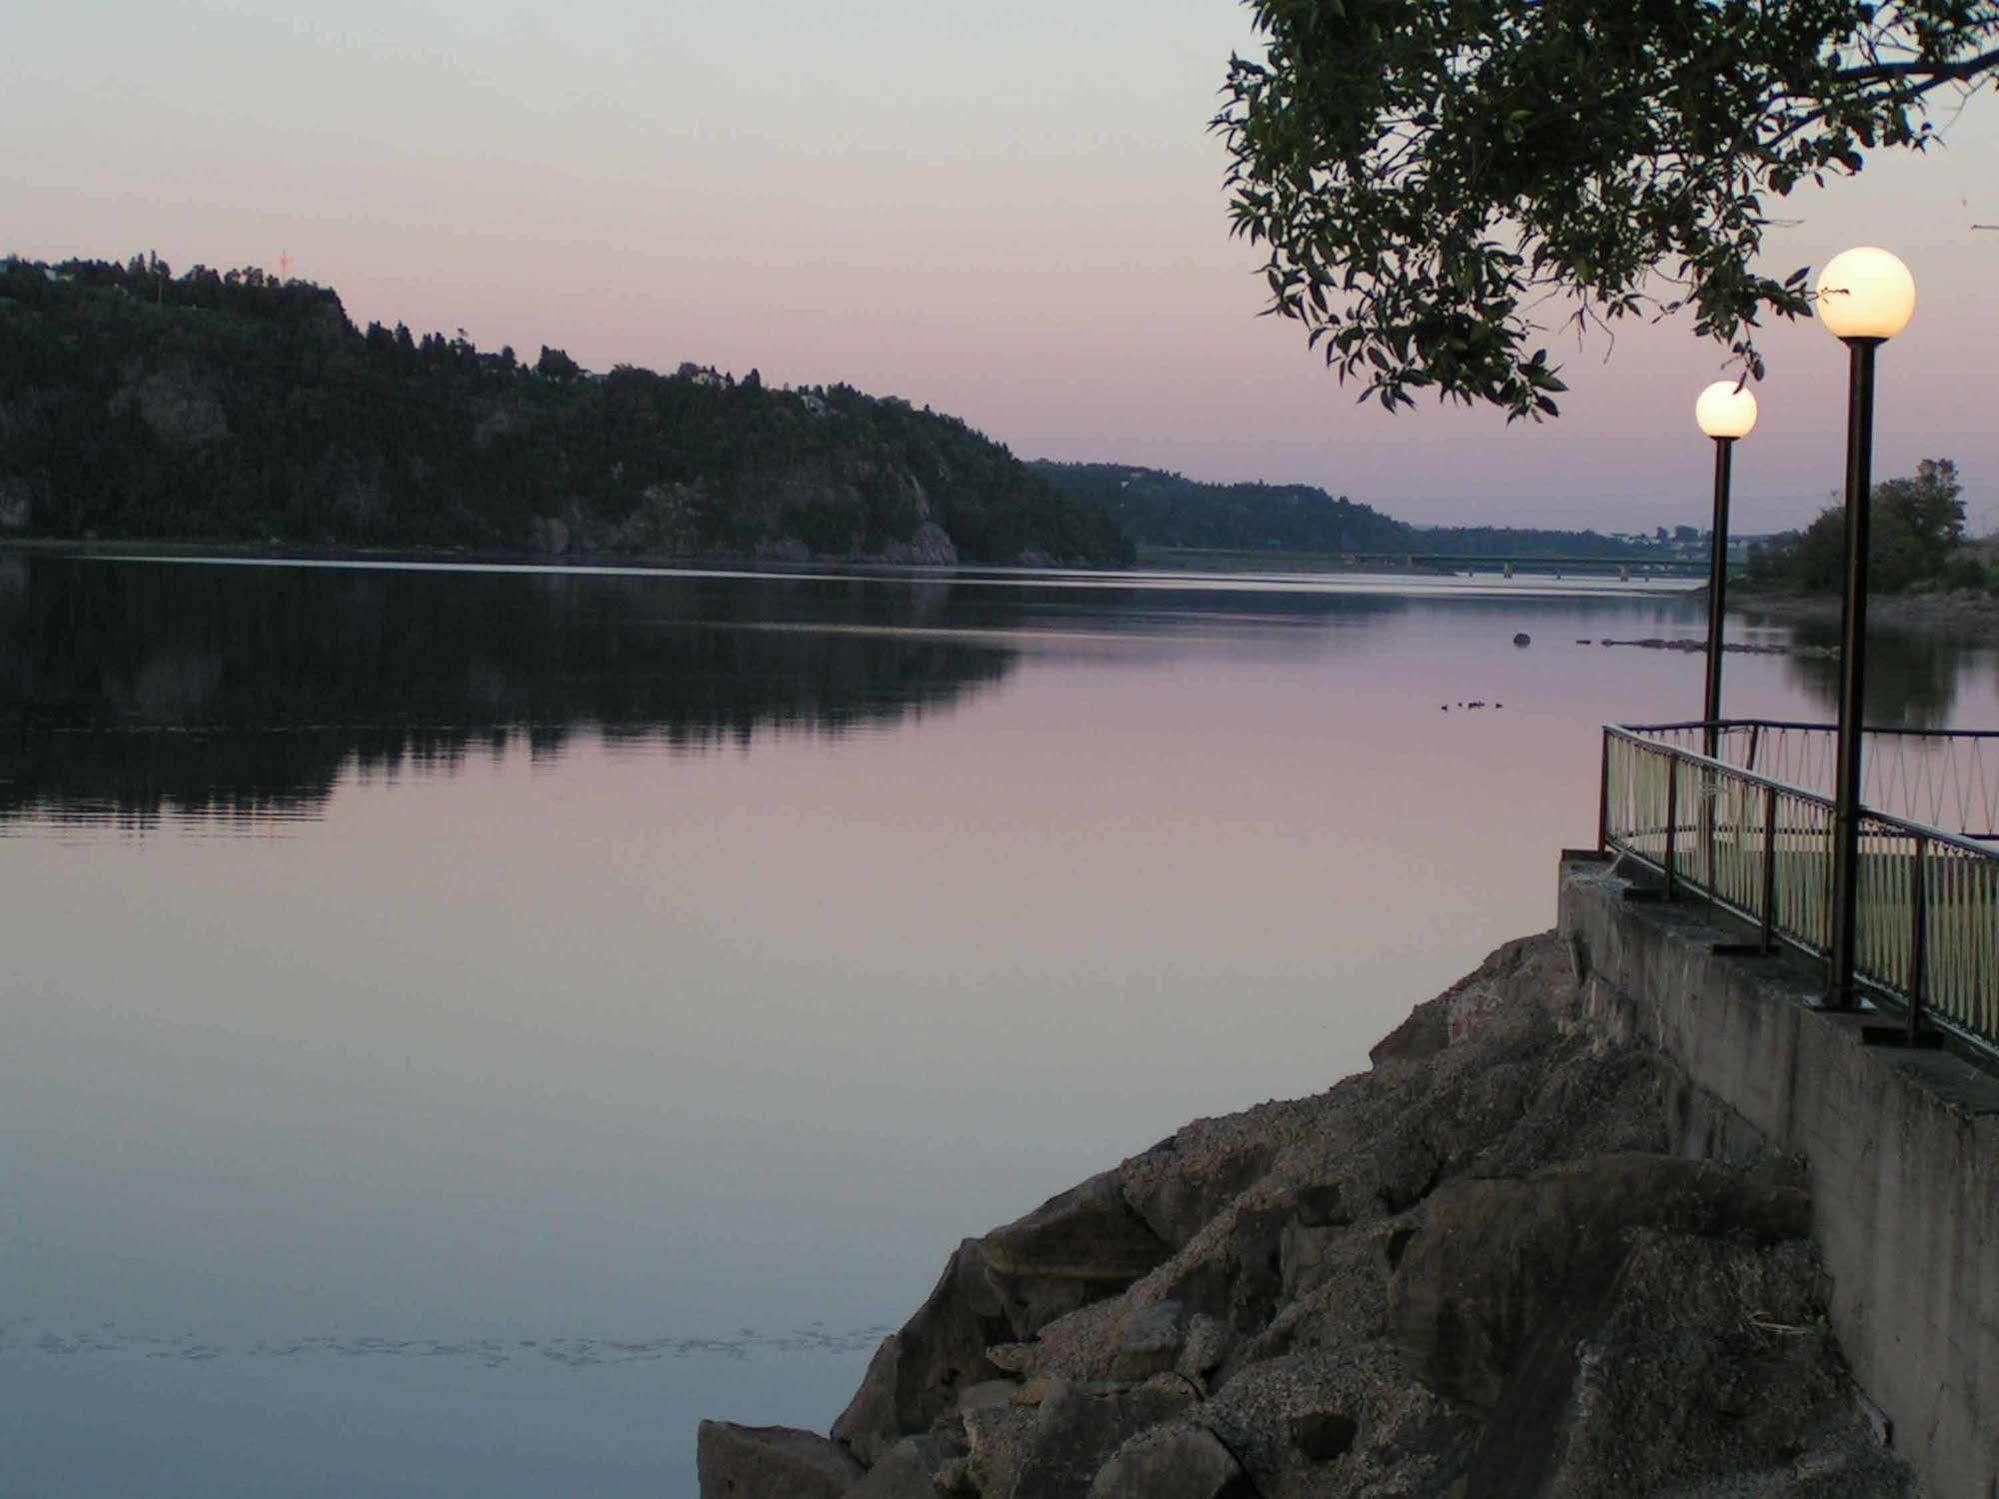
1902	1148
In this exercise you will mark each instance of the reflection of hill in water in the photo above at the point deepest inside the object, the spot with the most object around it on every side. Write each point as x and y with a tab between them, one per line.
126	689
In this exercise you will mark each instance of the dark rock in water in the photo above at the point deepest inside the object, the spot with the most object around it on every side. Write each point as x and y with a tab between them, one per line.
1523	638
770	1462
1733	647
1475	1269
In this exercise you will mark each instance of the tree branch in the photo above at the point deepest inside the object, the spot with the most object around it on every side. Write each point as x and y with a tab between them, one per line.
1933	73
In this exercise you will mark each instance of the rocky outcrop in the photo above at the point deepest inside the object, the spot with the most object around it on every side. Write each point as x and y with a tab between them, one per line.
771	1462
1488	1266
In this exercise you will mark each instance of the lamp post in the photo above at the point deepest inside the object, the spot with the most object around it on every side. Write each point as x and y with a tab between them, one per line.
1865	297
1725	411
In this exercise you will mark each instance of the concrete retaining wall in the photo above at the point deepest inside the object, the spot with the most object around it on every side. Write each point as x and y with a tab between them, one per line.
1903	1149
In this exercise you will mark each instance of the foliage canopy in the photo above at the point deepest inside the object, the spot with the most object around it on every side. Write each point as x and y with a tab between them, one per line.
1916	540
234	406
1427	173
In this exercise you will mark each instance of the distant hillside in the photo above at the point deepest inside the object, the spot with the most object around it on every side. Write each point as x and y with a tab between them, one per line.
1159	509
1165	510
235	407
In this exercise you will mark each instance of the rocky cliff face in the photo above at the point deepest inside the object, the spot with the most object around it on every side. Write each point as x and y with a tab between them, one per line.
1511	1259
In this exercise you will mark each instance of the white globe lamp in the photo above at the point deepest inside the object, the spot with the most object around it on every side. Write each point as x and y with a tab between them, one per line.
1726	410
1866	293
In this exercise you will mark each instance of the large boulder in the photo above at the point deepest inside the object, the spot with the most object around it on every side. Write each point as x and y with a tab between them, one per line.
1173	1462
770	1462
1088	1234
1347	1420
1078	1427
916	1374
912	1468
1077	1248
1500	1262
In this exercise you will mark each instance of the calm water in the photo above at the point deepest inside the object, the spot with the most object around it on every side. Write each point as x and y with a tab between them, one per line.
464	1026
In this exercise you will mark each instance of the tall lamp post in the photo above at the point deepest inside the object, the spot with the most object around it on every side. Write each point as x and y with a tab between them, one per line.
1865	297
1725	411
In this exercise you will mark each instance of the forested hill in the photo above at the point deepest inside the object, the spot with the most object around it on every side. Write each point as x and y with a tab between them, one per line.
1158	509
1165	510
237	407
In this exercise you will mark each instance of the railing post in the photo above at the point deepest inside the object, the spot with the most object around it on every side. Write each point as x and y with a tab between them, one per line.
1769	868
1709	793
1603	799
1672	816
1918	934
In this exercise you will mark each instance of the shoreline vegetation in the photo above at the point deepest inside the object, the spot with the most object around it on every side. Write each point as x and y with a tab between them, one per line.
1924	571
1958	612
193	549
1145	559
1171	514
236	407
1481	1264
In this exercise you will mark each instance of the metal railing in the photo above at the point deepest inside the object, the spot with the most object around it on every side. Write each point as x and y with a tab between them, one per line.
1944	779
1928	904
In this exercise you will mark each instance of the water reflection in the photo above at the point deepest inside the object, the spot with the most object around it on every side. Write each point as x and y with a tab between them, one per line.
1912	681
608	1058
128	689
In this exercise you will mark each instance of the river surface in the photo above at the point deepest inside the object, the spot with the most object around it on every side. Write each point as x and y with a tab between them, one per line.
464	1025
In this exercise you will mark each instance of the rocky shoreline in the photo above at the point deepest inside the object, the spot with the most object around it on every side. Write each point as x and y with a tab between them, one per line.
1515	1257
1731	647
1961	614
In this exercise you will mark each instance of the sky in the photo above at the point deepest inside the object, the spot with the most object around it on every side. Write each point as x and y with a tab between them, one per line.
1011	213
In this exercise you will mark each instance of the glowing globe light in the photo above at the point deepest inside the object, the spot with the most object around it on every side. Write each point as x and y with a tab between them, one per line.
1726	408
1866	293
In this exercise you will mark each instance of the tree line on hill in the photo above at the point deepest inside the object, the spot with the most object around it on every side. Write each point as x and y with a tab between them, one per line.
1168	510
235	406
1916	542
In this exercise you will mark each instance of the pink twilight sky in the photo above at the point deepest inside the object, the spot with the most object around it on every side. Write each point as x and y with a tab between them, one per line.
1009	212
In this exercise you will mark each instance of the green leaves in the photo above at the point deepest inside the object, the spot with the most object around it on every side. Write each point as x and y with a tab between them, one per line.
1429	175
